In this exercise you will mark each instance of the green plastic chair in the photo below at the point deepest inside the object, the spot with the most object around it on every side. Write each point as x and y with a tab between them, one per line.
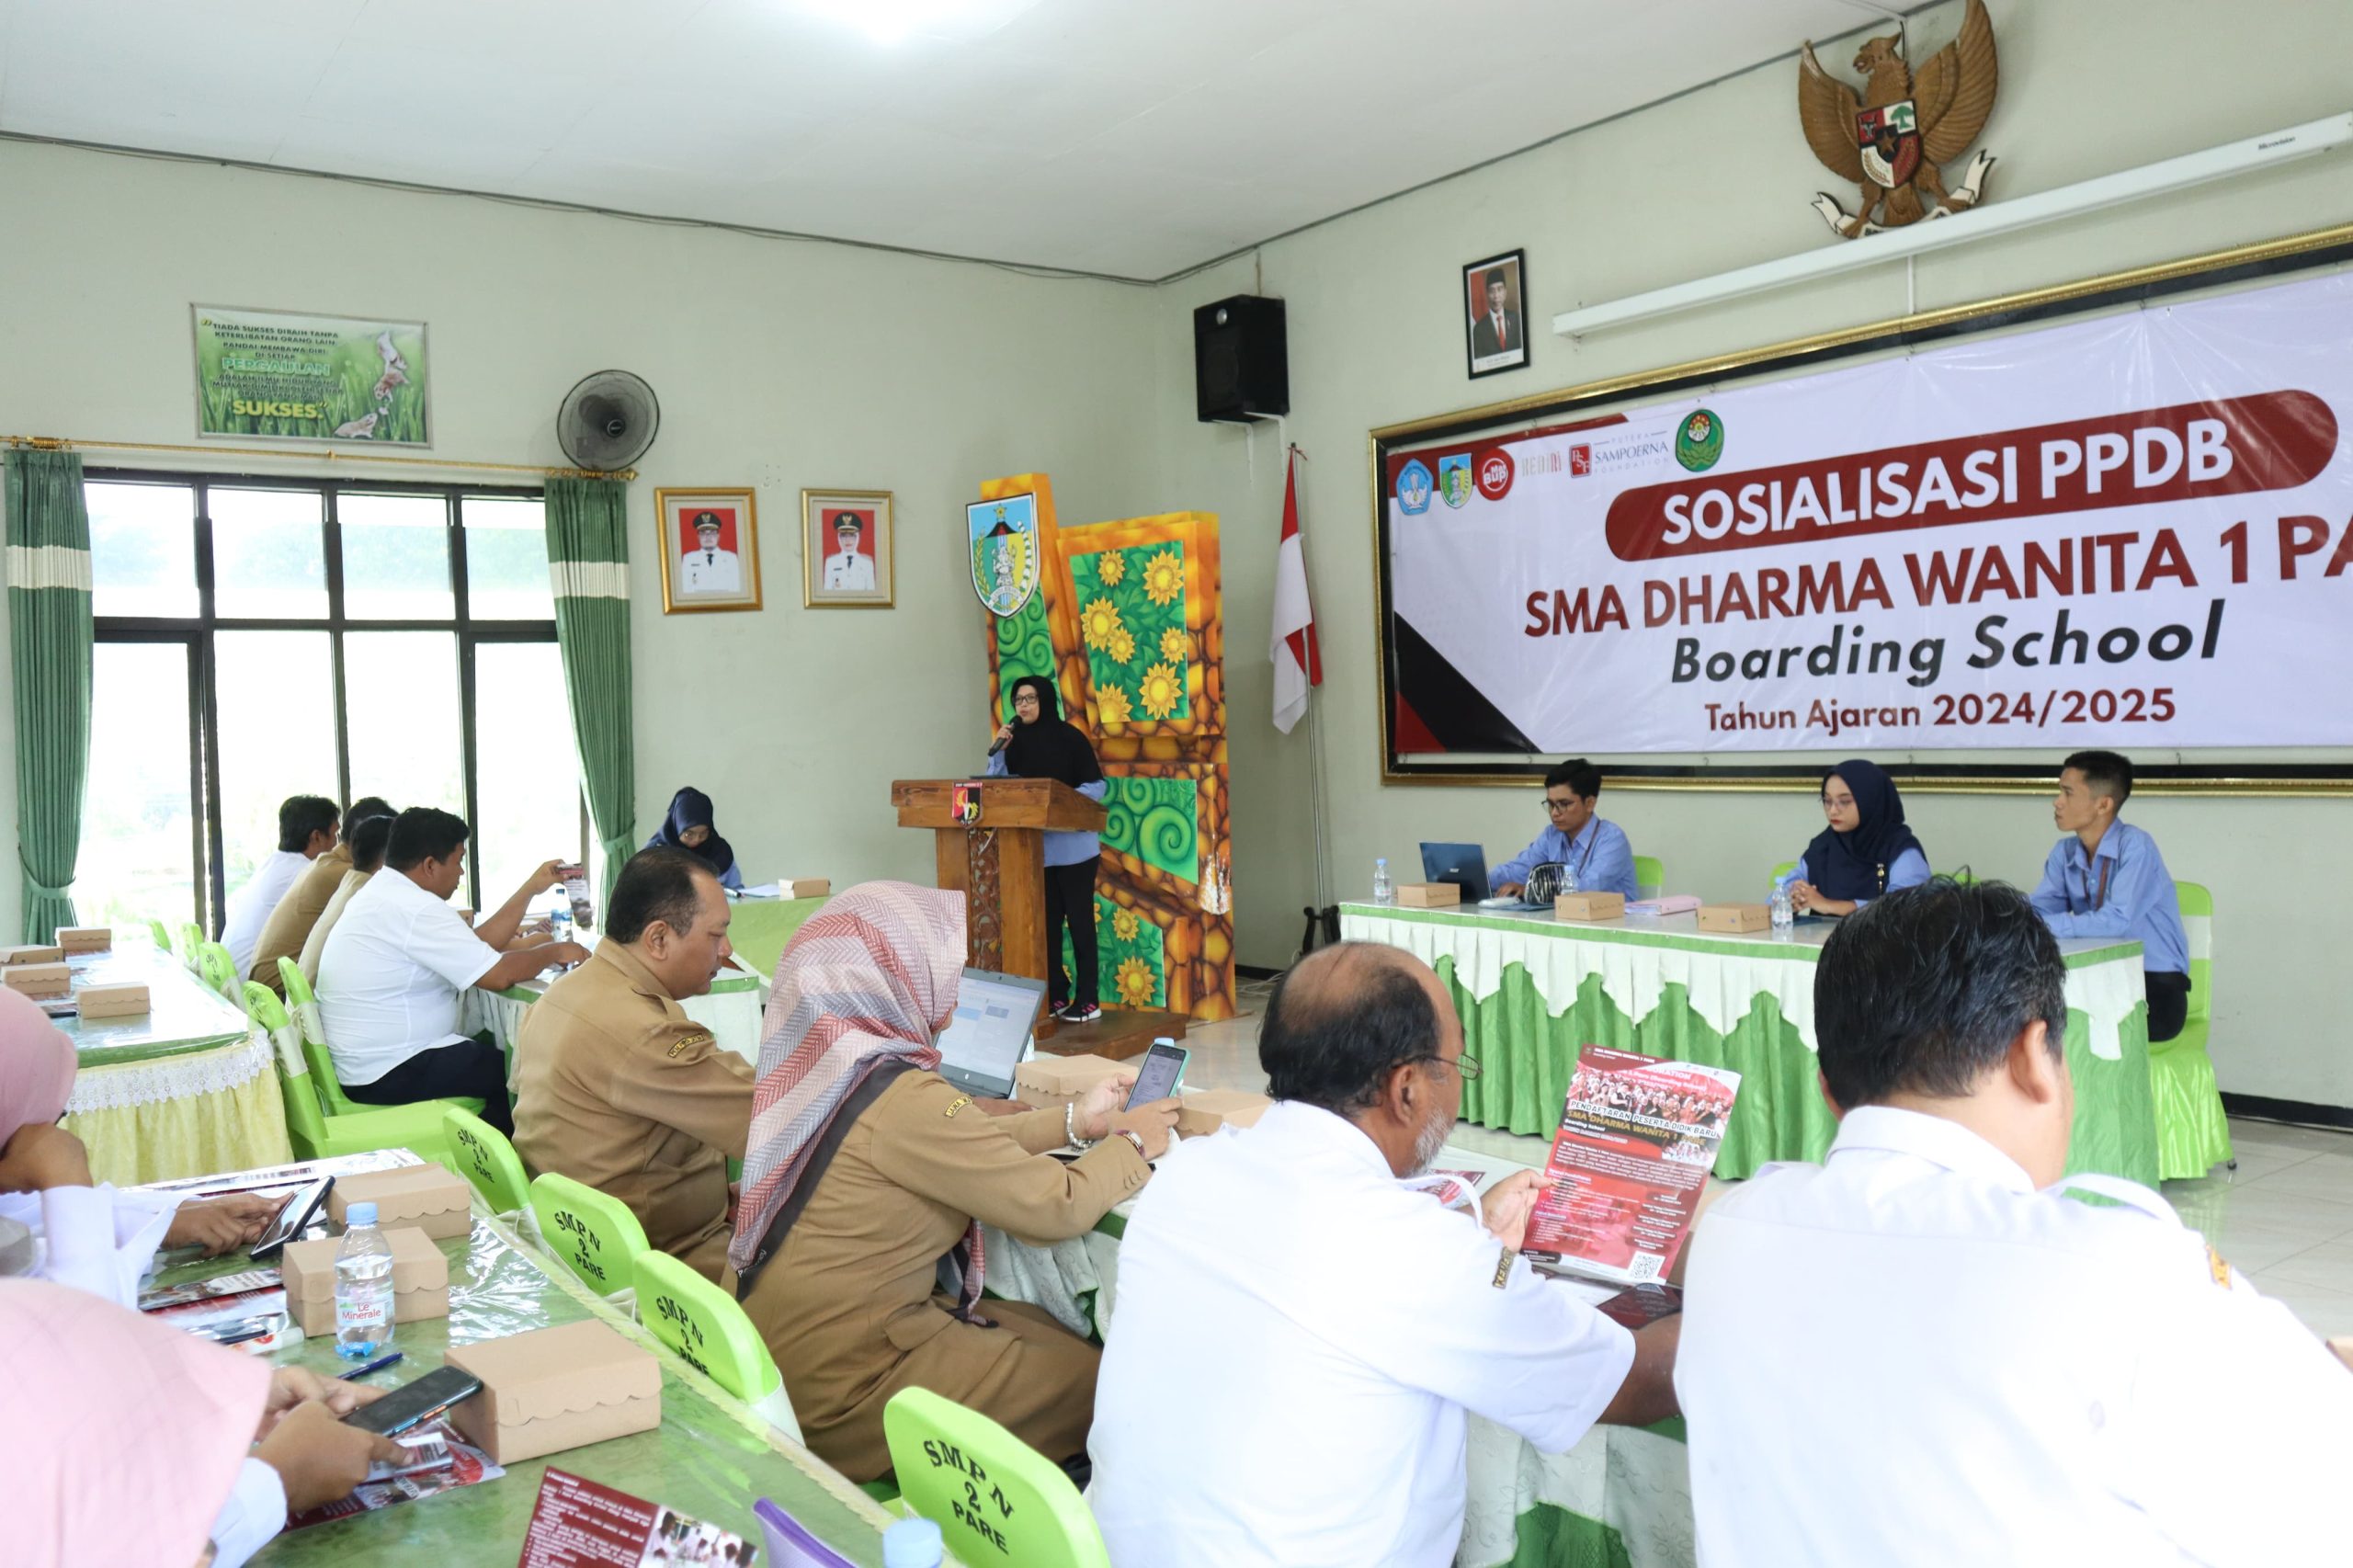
191	938
219	970
416	1126
995	1497
315	1134
1650	876
703	1324
163	935
487	1159
597	1235
2193	1133
1784	869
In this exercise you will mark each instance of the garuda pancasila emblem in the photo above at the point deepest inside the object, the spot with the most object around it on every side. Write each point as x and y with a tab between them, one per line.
1891	143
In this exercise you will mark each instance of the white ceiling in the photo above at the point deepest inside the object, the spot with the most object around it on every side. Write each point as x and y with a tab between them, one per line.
1130	137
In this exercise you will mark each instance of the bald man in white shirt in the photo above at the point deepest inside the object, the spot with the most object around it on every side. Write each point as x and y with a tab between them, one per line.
1298	1335
1923	1351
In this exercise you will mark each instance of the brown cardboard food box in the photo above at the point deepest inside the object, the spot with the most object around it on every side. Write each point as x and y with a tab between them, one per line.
804	887
111	1001
86	939
420	1280
1057	1081
43	953
1428	895
39	978
2343	1345
1590	906
1205	1110
554	1389
1734	917
431	1198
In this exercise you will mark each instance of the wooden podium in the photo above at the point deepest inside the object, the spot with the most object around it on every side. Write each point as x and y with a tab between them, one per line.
998	861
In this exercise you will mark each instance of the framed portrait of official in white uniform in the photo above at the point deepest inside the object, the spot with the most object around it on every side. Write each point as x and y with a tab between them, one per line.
710	550
845	550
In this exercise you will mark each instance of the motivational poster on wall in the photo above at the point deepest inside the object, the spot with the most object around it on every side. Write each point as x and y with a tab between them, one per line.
278	375
2132	531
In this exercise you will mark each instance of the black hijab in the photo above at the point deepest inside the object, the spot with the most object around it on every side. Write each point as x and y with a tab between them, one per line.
1053	747
691	808
1850	865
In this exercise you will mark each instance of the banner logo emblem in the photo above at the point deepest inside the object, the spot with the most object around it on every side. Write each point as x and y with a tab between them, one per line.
1413	488
1004	551
1580	462
1454	477
1700	441
1889	138
1494	473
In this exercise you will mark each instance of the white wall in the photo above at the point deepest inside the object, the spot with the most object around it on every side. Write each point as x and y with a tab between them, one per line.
779	365
1711	181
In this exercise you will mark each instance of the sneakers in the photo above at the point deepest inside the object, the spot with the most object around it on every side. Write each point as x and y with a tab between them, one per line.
1082	1013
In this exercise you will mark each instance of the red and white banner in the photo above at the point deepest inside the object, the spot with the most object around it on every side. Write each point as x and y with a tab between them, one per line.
2136	530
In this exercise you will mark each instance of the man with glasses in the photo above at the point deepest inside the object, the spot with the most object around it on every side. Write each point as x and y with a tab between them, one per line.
1596	851
1300	1334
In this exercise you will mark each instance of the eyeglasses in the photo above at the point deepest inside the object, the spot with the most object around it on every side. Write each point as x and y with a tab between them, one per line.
1468	1066
1554	808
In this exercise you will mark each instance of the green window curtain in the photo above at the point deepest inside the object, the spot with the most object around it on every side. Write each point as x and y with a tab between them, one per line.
588	559
48	625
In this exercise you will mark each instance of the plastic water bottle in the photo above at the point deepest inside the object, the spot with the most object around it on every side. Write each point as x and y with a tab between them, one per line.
1384	892
912	1543
559	923
363	1286
1784	910
1568	880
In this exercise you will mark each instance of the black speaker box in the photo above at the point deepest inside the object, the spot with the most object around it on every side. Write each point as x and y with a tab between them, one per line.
1240	366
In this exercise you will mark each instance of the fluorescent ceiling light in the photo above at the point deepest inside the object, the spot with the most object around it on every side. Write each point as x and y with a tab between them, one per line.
888	21
1978	223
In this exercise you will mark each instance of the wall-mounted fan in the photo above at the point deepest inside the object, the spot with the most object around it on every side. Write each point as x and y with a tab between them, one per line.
608	421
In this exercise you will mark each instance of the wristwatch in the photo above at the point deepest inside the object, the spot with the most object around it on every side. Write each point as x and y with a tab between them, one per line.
1133	1136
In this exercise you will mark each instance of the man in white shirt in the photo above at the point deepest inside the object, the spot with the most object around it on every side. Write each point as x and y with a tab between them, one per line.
306	825
1298	1335
846	569
1922	1351
394	965
709	571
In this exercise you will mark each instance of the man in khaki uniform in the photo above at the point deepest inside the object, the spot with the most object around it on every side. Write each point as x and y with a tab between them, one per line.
618	1088
850	1304
289	926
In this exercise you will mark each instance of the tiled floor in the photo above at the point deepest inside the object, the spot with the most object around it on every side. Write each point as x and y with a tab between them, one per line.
2285	1216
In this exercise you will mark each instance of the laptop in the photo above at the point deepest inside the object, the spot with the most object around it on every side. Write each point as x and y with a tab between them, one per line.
986	1038
1465	865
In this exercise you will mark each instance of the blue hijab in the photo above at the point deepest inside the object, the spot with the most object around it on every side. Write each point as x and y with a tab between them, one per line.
691	808
1854	865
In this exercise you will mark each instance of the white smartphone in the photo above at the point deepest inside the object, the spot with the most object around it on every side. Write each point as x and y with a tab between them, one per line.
1163	1070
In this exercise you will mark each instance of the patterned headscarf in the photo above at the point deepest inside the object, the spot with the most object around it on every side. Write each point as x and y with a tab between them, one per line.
870	980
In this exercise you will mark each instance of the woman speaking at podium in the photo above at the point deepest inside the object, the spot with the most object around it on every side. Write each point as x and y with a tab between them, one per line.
1041	743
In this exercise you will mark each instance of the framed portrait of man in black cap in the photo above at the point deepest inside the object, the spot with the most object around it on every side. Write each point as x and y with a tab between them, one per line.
845	549
710	550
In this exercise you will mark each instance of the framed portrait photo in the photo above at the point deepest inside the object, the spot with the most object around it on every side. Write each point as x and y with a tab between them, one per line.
709	549
1495	323
845	549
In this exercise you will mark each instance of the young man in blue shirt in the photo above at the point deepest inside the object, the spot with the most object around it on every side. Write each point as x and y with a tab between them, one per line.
2106	879
1597	852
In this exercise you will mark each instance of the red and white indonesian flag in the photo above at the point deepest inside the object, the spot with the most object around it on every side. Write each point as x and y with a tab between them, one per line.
1298	663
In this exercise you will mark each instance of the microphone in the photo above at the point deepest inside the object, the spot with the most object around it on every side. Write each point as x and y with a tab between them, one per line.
1000	746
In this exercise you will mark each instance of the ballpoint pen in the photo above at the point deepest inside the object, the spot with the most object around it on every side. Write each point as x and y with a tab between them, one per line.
378	1365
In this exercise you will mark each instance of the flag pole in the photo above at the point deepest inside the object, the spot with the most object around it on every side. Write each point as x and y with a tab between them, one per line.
1315	785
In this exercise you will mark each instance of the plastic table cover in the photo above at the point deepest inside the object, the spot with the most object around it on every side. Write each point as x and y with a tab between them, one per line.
711	1457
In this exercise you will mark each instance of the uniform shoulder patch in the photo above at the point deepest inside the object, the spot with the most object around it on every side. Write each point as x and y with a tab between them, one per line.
2217	1268
685	1042
960	1103
1502	1269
